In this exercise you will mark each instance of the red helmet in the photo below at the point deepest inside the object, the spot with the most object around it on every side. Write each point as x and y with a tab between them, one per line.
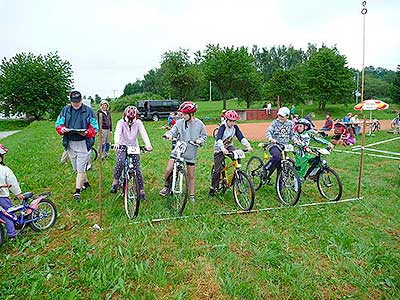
188	107
131	113
3	150
231	115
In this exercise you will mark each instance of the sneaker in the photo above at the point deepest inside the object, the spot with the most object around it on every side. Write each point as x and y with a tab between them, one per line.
164	191
211	193
312	177
114	189
191	197
77	196
12	240
85	186
142	196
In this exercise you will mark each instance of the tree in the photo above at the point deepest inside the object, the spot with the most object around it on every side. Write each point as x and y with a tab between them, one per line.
34	85
227	67
97	98
288	84
179	73
396	86
249	88
376	88
327	76
133	88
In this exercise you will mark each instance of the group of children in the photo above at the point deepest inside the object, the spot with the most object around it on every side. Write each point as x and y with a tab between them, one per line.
186	128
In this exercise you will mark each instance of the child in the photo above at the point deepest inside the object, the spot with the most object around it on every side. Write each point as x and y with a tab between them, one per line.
171	119
8	181
328	125
106	127
186	129
223	145
279	132
304	135
126	134
342	135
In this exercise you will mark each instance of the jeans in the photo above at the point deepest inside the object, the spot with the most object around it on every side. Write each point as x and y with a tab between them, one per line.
5	202
274	161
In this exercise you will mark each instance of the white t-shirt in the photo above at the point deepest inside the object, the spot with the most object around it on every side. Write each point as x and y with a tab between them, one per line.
7	177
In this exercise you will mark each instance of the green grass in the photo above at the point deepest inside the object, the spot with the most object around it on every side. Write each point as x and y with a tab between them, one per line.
348	250
6	125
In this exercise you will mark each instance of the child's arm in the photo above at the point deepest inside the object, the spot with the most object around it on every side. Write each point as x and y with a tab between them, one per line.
13	183
144	135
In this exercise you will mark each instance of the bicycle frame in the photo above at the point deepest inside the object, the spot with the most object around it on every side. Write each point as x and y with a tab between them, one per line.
128	164
25	210
179	163
237	156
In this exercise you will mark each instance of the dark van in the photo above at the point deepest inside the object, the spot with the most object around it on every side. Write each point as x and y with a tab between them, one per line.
156	109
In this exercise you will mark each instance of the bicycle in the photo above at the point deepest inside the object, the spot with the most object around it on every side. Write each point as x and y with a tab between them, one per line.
328	181
395	123
288	184
178	181
128	181
93	154
243	191
39	213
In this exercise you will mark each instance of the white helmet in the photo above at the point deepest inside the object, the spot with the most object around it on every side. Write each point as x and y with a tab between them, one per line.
284	112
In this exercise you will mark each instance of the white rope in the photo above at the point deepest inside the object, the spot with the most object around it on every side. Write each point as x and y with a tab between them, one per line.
241	212
377	143
382	151
369	154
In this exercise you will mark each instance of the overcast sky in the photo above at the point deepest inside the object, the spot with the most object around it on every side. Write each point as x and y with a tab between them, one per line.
110	43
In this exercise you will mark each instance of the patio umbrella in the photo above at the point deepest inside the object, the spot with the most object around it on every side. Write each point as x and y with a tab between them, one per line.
370	104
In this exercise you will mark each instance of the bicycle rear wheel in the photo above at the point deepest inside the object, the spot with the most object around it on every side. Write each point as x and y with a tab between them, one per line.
254	171
288	185
178	194
44	216
214	133
93	154
243	191
329	184
131	197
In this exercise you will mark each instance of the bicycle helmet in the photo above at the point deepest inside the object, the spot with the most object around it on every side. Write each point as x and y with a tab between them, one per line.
284	112
188	107
231	115
131	114
305	122
3	150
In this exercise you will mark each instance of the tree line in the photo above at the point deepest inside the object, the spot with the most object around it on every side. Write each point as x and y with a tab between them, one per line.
38	85
296	75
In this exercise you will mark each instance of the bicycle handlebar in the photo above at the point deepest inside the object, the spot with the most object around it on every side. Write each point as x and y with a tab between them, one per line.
193	143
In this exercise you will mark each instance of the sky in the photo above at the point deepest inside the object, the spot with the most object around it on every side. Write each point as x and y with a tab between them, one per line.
111	43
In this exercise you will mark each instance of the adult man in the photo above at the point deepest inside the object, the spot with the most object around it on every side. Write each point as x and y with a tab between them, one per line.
78	126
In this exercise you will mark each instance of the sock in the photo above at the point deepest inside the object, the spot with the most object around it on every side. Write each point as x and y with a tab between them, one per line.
77	191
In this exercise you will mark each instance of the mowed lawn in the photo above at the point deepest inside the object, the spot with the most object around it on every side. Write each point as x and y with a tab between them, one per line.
346	250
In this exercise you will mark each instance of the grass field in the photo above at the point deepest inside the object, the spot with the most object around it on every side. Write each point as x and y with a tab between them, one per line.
343	251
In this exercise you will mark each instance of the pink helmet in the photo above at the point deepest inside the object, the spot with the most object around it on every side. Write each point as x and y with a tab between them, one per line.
3	150
188	107
131	113
231	115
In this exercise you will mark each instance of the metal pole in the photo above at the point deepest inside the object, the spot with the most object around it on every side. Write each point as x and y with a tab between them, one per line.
363	12
101	169
210	90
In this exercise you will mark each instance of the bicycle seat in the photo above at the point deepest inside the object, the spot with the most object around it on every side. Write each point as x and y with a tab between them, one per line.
27	195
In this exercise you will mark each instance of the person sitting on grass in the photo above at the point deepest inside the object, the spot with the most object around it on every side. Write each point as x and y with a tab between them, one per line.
189	128
8	181
305	135
126	134
224	144
328	125
342	135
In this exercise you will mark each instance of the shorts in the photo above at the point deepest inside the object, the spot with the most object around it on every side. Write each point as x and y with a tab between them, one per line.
79	155
187	162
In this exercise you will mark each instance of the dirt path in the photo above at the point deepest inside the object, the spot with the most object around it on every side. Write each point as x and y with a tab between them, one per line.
256	131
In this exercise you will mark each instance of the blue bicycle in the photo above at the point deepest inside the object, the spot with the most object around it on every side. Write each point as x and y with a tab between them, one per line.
37	212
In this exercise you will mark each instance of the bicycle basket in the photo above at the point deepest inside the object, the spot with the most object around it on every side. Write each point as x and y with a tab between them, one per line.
132	150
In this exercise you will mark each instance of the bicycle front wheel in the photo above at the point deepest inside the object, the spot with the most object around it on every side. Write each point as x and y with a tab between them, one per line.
329	184
288	185
44	216
131	197
243	191
178	190
254	171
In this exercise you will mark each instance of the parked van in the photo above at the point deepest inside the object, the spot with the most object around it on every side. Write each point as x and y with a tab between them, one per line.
156	109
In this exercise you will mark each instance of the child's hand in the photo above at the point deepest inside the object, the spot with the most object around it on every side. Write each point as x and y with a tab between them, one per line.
167	136
249	149
225	151
198	142
84	133
20	197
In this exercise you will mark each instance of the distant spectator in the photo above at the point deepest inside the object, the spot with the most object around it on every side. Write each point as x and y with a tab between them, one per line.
343	135
269	107
171	119
347	118
292	110
328	125
308	118
355	124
